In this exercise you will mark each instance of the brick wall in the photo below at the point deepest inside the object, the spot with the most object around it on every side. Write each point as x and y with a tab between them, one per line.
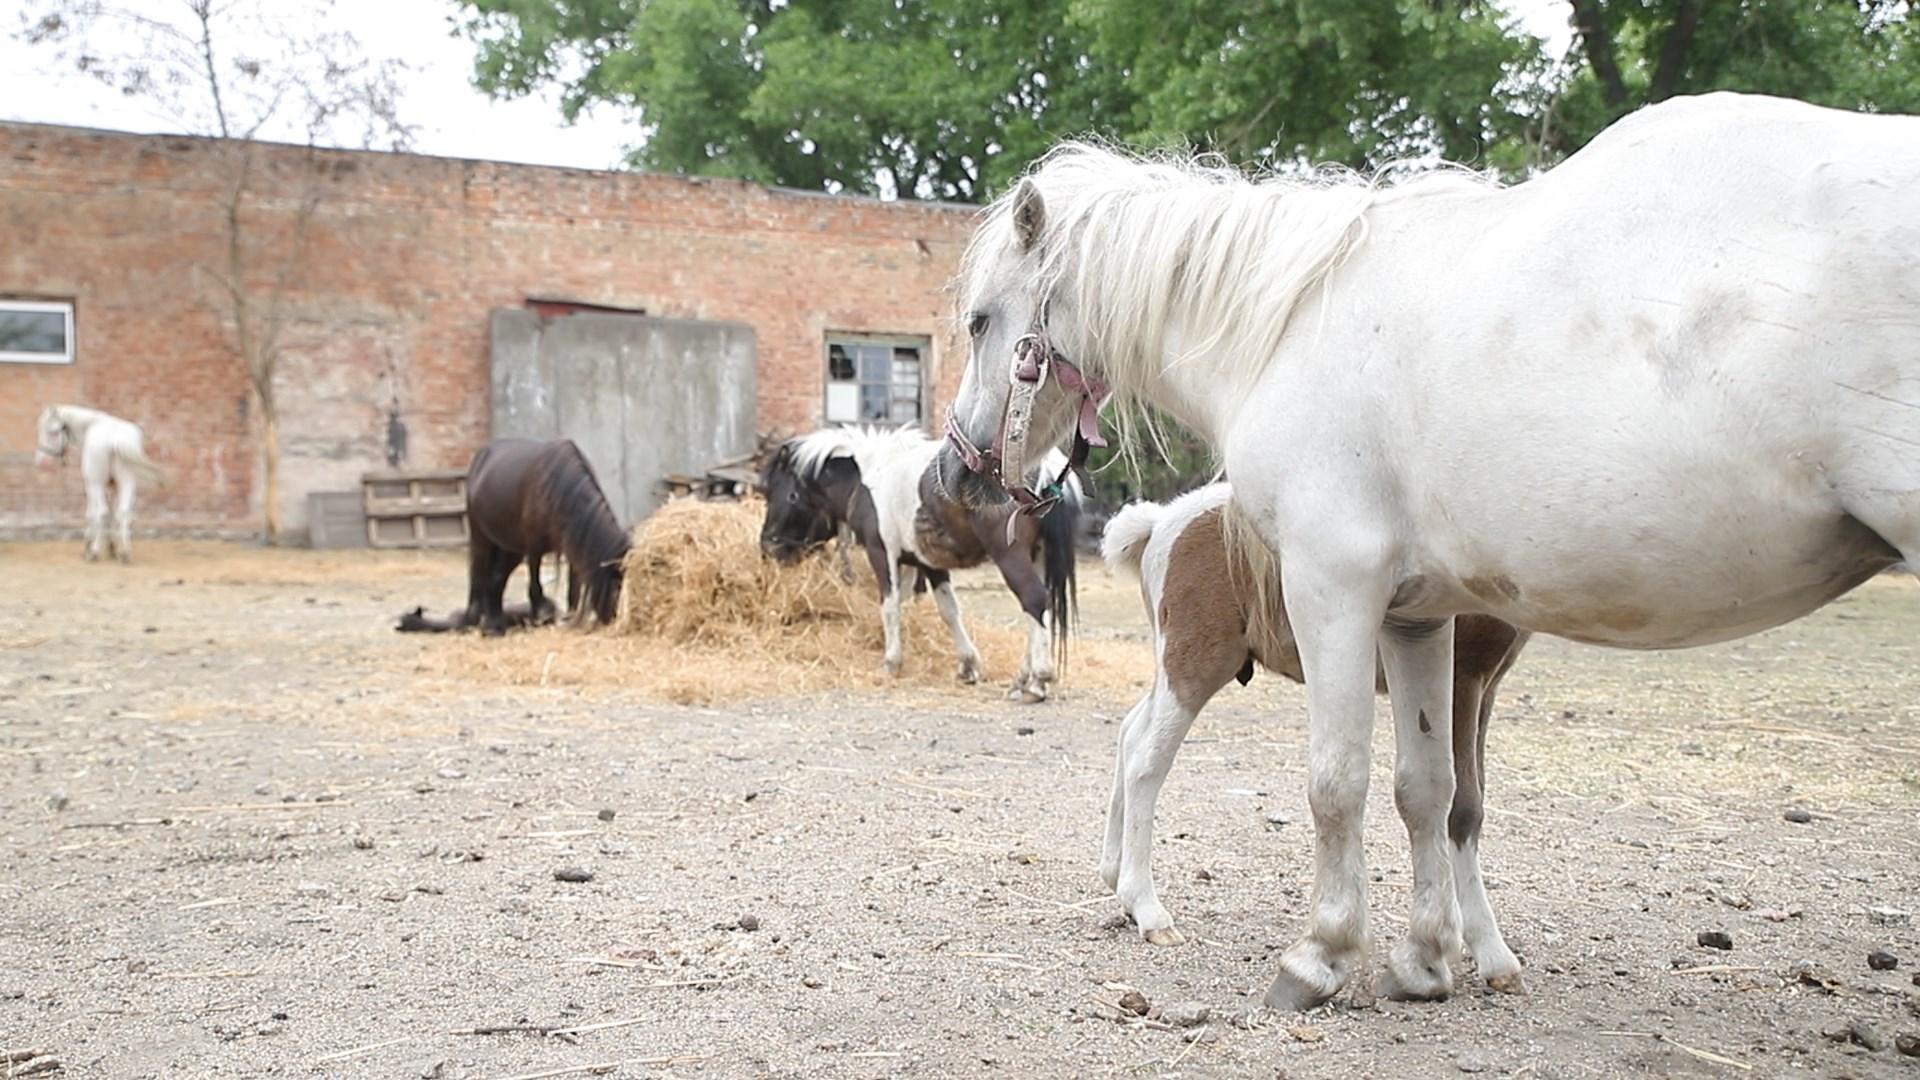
402	260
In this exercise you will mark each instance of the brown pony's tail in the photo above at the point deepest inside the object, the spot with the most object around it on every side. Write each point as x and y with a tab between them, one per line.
1059	540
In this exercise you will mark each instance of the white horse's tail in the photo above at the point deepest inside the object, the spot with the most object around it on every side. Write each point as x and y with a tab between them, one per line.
136	459
1124	541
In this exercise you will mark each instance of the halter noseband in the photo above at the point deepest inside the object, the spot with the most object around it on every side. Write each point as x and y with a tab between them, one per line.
1033	358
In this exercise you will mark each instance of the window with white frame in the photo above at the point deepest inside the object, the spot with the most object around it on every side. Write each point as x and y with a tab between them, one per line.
36	332
875	380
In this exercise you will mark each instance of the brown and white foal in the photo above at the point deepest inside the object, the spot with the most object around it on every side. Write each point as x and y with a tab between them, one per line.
1207	630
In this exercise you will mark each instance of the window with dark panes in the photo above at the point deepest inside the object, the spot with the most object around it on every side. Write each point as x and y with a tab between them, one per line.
874	380
36	332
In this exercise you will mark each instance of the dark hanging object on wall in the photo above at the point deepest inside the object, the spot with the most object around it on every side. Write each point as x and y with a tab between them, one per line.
396	439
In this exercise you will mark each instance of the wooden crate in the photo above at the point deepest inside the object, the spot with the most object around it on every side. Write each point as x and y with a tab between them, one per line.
416	509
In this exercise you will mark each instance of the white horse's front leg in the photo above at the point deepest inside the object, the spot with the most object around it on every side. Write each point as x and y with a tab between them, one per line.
96	518
1036	675
1336	621
949	606
1419	667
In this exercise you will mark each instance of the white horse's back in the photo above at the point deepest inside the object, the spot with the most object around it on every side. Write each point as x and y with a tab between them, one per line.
1715	307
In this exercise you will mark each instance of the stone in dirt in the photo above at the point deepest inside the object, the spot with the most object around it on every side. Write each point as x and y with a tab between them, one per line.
1714	939
1134	1002
1880	915
450	773
749	922
1305	1033
1185	1014
1882	960
1798	815
573	874
1865	1034
1908	1045
605	814
1470	1063
1815	976
57	801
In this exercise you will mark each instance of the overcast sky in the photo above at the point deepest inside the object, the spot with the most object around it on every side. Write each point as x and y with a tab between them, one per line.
453	119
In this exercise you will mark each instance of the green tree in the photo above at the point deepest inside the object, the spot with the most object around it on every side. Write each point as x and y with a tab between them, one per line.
933	99
1854	54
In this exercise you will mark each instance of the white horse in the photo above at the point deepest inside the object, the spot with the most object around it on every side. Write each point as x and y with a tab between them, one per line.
1664	395
112	452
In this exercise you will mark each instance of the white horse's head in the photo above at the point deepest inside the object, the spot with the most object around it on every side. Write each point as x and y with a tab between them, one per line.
1027	385
51	437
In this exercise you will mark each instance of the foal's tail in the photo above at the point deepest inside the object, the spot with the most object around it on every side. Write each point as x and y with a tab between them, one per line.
1059	534
143	466
1124	542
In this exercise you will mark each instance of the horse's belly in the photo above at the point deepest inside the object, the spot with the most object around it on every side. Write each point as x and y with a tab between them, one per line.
1678	594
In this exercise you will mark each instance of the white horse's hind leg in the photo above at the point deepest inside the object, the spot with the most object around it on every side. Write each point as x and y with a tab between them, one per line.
949	606
96	518
124	486
1150	749
1419	666
1336	620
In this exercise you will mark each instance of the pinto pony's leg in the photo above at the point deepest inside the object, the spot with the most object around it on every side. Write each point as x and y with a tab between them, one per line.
1117	803
886	573
124	486
1035	677
1336	609
949	604
1419	666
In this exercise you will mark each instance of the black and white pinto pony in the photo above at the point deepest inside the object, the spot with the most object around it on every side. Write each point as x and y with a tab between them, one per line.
1665	394
877	484
112	456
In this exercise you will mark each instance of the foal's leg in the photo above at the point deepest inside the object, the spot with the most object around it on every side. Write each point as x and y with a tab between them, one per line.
1336	608
1117	802
1484	651
949	604
1419	665
124	486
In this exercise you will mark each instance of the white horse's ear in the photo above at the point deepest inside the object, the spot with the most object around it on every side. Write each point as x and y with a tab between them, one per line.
1029	214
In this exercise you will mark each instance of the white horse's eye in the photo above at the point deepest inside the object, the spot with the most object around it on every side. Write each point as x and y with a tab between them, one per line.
977	323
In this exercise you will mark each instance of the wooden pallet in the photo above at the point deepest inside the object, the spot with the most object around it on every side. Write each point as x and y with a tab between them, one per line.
416	508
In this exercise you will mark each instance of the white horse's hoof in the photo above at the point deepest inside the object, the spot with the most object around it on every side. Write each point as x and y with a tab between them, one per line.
970	671
1306	981
1506	984
1165	935
1412	977
891	667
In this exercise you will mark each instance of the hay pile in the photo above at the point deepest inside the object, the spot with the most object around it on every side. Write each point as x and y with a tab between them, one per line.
704	618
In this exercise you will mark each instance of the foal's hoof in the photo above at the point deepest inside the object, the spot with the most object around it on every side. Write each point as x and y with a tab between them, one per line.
969	672
1027	693
1413	978
891	667
1166	935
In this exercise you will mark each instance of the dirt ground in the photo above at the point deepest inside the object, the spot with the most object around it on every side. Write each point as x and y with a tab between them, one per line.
250	831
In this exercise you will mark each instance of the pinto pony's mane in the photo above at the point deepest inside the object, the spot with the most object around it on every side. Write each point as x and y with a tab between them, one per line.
1146	246
591	537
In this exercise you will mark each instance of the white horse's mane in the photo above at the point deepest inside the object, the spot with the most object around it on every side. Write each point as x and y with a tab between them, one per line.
1147	245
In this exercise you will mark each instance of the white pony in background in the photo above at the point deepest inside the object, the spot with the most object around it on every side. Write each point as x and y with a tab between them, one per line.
111	453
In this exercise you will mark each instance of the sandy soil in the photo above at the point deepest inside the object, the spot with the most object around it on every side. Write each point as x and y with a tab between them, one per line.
249	831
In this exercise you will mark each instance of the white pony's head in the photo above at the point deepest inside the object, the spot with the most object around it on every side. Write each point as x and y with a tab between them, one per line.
51	437
1104	274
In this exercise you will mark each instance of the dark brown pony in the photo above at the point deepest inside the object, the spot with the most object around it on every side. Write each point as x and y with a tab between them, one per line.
526	498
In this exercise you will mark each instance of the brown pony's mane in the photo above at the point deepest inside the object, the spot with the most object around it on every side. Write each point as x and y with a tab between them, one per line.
591	536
